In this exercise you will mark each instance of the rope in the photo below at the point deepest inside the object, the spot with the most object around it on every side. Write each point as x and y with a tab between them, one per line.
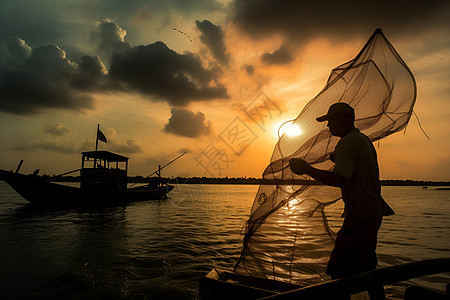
418	121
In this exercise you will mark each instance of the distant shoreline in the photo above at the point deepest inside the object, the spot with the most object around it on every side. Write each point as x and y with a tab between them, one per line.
247	181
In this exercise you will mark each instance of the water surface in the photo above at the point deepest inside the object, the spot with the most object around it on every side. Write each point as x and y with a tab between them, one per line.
159	249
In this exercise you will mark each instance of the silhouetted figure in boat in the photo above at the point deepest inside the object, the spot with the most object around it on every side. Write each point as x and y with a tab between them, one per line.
153	184
356	173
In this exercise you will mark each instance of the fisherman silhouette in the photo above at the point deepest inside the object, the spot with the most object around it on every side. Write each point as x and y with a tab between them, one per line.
356	172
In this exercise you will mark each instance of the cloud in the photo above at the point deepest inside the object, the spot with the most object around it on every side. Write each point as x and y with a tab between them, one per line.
213	37
110	39
49	145
300	21
281	56
110	132
42	80
33	80
59	139
186	123
403	163
91	75
156	70
184	149
159	159
57	129
56	143
17	49
130	146
250	69
142	17
442	163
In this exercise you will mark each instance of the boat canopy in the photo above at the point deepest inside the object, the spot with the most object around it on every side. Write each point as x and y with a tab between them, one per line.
104	155
102	171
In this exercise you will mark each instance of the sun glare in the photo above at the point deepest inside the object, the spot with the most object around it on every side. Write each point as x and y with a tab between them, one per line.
288	128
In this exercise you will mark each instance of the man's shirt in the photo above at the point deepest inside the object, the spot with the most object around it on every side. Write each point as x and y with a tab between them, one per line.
356	160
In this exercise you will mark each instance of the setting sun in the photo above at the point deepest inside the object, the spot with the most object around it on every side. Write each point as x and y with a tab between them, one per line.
288	128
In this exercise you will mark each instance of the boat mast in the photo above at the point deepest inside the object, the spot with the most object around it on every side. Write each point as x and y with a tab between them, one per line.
159	176
96	146
96	139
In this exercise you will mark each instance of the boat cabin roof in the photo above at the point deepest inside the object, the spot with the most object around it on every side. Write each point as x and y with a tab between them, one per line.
105	155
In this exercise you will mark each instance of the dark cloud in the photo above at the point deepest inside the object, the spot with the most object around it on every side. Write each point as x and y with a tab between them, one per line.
58	129
299	21
182	150
159	71
67	22
17	49
249	69
187	123
40	78
45	79
281	56
213	37
91	74
42	82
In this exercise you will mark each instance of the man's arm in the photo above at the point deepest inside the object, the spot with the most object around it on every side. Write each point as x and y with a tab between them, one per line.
299	166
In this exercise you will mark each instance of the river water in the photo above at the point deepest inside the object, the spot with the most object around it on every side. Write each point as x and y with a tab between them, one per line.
159	249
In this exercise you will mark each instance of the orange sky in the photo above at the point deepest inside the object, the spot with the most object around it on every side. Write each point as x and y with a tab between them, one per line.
162	79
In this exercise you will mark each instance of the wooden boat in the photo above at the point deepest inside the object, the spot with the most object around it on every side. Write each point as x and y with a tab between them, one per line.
103	182
219	284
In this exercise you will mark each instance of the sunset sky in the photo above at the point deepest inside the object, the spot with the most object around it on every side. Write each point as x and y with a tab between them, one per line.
165	77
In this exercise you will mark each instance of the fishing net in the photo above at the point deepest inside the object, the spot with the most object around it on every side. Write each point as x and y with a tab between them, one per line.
291	229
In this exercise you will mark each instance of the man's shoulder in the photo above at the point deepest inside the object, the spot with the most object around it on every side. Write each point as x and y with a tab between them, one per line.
355	140
355	134
352	134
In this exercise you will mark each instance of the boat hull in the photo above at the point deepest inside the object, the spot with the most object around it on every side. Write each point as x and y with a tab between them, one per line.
220	284
39	191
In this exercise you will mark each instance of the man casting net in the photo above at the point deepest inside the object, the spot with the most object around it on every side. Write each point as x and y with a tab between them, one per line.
288	236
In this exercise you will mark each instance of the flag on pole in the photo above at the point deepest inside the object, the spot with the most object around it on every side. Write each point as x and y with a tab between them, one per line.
101	136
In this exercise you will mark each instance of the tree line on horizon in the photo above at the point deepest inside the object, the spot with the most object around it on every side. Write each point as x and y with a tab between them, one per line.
245	180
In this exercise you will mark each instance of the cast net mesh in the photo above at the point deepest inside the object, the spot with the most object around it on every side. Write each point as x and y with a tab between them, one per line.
288	236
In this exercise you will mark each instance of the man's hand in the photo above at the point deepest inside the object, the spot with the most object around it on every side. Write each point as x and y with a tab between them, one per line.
299	166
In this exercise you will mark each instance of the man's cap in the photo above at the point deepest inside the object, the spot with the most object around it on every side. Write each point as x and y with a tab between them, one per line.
339	107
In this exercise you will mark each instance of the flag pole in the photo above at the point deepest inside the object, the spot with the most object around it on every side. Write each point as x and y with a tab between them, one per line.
96	146
96	139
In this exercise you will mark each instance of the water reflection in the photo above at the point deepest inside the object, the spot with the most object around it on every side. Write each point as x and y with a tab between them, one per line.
159	249
80	243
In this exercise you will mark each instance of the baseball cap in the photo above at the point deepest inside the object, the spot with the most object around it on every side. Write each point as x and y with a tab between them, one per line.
339	107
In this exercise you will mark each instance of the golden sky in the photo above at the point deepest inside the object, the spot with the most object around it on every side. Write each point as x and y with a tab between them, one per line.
213	78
